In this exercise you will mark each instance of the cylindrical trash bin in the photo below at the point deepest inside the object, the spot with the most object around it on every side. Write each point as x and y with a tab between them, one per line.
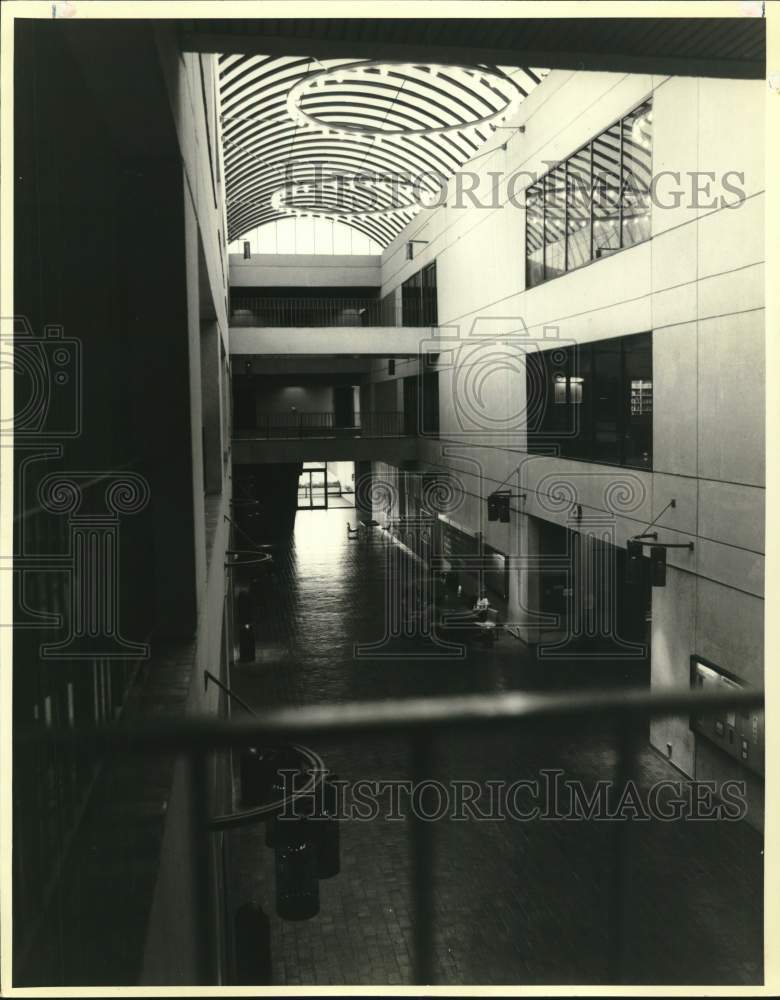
328	832
246	643
297	883
286	759
258	770
252	946
244	608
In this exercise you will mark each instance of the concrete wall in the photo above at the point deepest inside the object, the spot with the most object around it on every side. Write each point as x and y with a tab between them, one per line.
128	256
172	951
698	285
305	271
305	399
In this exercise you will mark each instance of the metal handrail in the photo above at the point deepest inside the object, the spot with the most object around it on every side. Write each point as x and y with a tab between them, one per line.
420	719
314	424
196	734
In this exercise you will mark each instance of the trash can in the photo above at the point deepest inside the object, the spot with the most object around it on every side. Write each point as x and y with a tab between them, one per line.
297	881
286	759
244	608
328	831
246	643
258	771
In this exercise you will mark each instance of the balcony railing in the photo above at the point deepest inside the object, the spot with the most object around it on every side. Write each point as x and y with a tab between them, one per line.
272	426
314	312
421	721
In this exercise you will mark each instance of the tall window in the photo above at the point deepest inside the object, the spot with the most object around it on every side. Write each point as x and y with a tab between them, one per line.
418	298
301	235
594	203
430	403
593	402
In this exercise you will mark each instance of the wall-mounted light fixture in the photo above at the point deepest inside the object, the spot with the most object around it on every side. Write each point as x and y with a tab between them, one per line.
410	247
498	504
508	128
635	564
247	250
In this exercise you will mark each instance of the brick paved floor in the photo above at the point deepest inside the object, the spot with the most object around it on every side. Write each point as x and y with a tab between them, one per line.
515	902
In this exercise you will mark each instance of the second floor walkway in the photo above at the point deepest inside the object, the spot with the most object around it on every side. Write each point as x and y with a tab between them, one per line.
311	436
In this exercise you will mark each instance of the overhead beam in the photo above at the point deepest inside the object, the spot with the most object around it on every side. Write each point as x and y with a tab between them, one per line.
657	63
374	341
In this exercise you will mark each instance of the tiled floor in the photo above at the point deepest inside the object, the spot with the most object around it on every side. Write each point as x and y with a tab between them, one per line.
515	902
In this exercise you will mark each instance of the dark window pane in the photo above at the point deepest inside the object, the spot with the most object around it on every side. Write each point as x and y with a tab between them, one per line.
607	400
606	192
429	298
581	394
411	422
555	222
578	197
558	420
534	236
637	172
638	400
411	300
430	403
593	402
535	397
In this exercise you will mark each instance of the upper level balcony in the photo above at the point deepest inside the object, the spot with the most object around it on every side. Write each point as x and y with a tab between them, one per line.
282	325
290	437
288	312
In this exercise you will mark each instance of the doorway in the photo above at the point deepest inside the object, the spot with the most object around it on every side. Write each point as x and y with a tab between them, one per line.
313	488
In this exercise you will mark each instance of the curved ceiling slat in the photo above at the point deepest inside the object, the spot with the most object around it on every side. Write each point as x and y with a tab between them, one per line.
352	120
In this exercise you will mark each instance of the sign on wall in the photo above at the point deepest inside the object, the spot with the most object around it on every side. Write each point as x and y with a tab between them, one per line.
739	733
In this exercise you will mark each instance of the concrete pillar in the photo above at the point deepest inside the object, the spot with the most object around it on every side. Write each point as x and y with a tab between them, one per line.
211	408
525	580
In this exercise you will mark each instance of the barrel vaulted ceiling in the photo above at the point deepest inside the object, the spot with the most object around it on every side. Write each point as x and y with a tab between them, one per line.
360	141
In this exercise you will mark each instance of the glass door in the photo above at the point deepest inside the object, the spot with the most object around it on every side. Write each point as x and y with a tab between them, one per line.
312	489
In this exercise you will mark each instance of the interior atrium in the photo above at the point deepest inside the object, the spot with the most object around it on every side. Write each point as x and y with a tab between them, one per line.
387	573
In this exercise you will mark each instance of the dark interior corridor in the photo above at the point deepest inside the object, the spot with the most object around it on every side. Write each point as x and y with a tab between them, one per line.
515	902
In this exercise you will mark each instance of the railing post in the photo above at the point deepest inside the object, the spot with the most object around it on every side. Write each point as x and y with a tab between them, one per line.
204	913
621	900
422	869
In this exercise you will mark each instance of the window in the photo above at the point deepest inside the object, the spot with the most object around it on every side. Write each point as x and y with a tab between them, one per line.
419	305
606	192
637	165
302	235
430	306
638	373
411	415
430	403
578	222
534	236
594	203
593	402
411	300
555	222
